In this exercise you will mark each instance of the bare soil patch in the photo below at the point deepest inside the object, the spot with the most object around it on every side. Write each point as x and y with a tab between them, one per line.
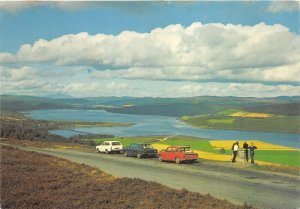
32	180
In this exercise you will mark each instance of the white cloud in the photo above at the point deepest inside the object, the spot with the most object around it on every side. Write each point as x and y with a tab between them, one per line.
236	89
284	6
199	52
191	89
84	89
116	86
281	74
17	74
17	6
7	58
25	80
28	72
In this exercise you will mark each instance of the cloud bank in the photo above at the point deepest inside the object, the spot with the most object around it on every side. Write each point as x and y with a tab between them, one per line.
201	59
17	6
199	52
284	6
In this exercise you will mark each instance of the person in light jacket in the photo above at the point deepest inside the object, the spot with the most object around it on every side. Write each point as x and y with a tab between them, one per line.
235	149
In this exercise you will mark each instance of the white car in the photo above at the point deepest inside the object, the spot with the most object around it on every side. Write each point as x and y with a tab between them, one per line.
110	146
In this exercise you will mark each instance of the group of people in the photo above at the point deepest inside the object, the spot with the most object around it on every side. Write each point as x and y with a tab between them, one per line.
246	147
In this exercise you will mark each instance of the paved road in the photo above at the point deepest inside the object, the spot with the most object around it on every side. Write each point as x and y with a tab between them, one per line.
263	190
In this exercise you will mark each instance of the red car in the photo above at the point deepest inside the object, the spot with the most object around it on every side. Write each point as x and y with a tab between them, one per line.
177	154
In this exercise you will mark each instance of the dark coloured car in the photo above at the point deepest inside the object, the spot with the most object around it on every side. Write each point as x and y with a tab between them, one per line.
140	150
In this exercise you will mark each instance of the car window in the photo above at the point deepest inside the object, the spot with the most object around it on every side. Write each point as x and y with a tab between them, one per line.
171	149
115	143
147	146
185	149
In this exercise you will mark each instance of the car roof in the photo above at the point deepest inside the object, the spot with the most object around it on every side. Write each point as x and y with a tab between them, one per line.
179	146
140	143
111	141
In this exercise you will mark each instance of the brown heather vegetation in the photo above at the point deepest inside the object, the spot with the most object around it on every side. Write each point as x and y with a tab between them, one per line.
32	180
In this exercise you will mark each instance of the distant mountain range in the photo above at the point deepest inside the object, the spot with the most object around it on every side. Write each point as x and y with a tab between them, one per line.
155	106
57	96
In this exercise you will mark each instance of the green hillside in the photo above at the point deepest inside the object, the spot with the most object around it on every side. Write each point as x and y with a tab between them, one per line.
19	103
223	120
176	107
277	109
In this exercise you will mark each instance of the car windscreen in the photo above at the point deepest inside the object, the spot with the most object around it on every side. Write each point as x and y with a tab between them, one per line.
115	143
149	146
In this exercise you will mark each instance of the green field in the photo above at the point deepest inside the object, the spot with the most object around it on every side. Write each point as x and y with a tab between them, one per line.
282	157
222	120
126	141
202	145
290	158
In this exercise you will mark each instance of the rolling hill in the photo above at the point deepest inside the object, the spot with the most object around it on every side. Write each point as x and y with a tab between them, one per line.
177	107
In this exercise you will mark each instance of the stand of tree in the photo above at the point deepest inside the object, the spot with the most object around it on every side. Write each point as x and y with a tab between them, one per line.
24	128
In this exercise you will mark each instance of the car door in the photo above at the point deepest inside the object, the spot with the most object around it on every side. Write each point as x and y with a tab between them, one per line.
135	150
167	155
106	146
177	154
130	150
101	147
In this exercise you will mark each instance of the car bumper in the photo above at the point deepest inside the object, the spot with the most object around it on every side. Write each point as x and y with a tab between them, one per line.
116	150
190	158
149	154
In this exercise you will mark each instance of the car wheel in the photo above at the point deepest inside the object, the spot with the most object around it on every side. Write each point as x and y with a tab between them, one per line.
98	150
139	156
177	160
106	151
125	154
160	159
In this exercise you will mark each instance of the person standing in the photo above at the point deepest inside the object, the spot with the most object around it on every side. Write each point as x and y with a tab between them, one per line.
235	149
245	147
252	148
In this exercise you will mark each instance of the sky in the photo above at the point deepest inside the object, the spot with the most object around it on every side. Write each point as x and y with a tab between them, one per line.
150	49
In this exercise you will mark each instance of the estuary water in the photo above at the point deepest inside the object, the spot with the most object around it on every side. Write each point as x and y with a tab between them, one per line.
145	125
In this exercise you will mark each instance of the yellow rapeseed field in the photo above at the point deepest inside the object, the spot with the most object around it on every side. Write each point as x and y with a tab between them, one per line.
226	144
211	156
203	155
251	115
160	146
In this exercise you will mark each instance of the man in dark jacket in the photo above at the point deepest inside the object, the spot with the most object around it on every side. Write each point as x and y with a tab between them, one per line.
252	148
246	146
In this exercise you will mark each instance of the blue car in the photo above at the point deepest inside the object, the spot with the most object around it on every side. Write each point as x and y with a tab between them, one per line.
140	150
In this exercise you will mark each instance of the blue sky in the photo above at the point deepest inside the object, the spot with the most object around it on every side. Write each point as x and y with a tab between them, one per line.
191	48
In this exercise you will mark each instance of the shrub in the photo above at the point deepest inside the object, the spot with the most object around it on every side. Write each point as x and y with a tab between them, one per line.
222	150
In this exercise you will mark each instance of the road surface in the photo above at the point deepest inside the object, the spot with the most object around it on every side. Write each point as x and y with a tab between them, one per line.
261	189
